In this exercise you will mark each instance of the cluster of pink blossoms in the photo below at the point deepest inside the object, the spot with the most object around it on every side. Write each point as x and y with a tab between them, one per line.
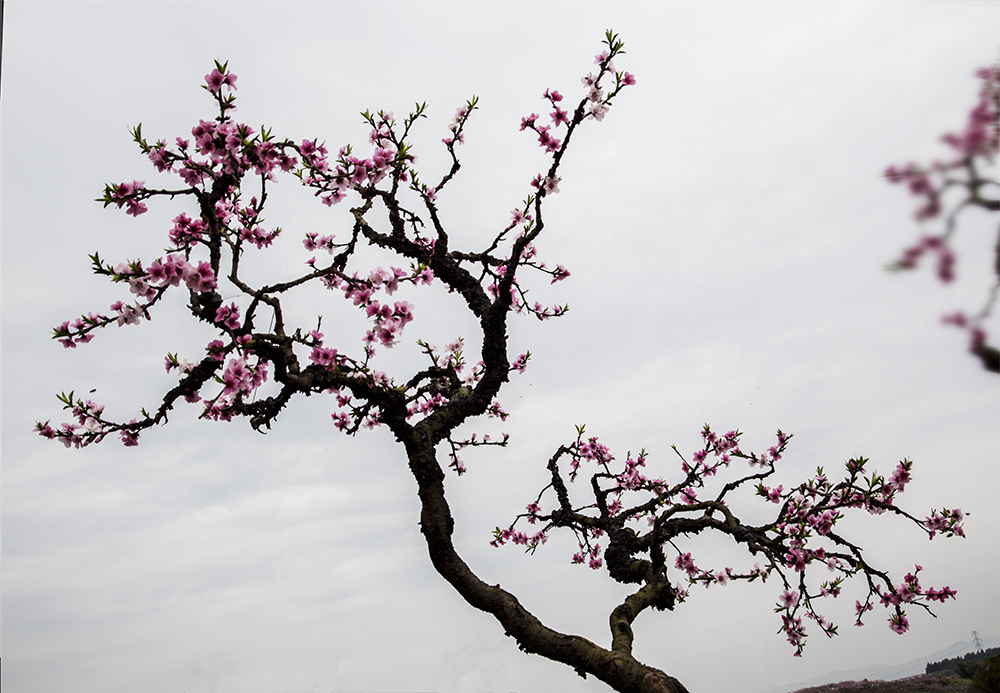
981	136
233	147
947	522
351	172
175	269
240	377
128	195
589	554
502	536
89	428
597	104
389	321
559	117
145	284
936	246
457	123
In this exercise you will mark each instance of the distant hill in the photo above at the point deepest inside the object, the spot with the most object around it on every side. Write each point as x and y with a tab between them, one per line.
962	664
890	672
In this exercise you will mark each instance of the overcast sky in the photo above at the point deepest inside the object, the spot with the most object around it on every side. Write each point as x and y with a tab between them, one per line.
726	226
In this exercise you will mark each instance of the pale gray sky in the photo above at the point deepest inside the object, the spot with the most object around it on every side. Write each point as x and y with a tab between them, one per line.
725	226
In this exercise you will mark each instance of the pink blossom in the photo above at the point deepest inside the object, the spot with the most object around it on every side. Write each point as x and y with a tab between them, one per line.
127	315
521	362
788	599
559	274
228	316
957	319
216	350
130	438
237	377
860	609
823	523
685	563
830	589
898	623
403	311
341	421
901	476
191	174
598	111
386	332
374	309
200	279
333	198
314	241
158	156
215	80
323	357
125	194
141	288
794	631
797	559
221	410
940	595
360	296
392	281
549	143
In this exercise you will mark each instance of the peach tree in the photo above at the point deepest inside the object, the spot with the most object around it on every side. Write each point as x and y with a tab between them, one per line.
627	520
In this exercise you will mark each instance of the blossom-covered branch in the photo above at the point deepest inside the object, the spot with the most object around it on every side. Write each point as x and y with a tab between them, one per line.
975	149
642	518
224	156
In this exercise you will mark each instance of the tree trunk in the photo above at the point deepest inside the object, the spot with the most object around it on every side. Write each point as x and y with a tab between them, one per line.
619	670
